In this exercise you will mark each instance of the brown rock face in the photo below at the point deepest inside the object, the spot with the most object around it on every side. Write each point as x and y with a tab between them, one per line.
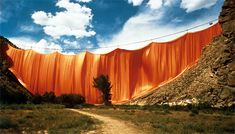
212	80
224	66
227	18
11	91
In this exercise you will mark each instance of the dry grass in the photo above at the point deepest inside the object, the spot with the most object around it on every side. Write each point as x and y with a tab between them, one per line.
44	120
48	118
165	121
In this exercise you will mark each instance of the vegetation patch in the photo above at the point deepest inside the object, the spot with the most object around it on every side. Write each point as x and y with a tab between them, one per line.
41	119
165	119
68	100
6	123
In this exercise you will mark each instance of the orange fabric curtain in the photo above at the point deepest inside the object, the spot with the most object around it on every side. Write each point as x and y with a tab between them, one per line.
132	73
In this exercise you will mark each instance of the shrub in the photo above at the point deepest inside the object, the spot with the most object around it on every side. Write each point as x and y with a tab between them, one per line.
36	99
189	107
6	123
166	111
194	111
229	108
49	97
165	106
69	100
204	105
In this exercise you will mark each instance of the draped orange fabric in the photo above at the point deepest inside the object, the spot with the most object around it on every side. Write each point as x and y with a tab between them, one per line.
132	73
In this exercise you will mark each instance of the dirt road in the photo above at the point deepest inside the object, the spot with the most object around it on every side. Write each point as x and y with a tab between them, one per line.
110	125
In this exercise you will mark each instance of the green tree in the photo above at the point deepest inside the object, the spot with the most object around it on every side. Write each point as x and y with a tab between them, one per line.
103	84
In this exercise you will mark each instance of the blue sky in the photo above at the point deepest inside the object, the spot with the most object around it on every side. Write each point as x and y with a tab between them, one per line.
70	26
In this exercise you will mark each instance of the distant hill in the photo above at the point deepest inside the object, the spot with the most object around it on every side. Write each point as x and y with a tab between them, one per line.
11	91
212	80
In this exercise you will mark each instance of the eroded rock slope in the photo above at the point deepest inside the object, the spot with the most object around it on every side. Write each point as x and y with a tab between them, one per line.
212	80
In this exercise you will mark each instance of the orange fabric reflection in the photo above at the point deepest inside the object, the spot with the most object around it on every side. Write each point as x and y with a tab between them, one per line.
132	73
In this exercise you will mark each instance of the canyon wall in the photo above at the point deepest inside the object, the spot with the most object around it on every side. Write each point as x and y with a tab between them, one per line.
211	80
132	73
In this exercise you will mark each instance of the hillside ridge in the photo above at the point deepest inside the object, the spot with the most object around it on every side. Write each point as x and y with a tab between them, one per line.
11	91
211	80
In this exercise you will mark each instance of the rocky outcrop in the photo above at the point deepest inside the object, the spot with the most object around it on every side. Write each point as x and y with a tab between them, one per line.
11	91
212	79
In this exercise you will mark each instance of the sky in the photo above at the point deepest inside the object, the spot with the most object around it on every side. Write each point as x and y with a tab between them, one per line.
100	26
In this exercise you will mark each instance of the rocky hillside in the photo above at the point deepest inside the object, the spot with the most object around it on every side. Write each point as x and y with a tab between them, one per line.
212	80
11	91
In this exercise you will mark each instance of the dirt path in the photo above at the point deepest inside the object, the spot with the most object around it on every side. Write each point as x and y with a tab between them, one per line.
110	125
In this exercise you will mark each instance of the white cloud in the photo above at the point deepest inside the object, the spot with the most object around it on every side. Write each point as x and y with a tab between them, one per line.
145	26
22	42
74	21
169	2
69	53
135	2
41	46
89	45
192	5
46	47
85	1
72	44
28	28
137	28
176	20
155	4
40	17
